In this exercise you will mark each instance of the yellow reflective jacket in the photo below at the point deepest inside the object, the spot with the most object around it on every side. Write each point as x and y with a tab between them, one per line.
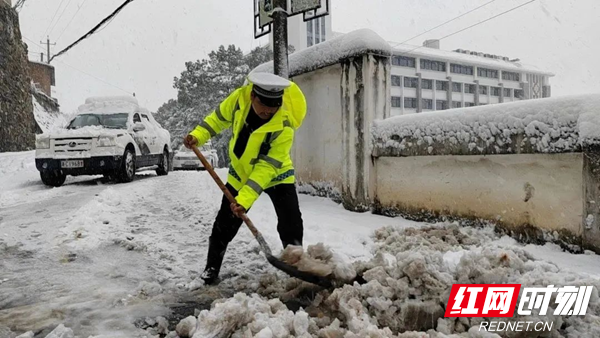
255	172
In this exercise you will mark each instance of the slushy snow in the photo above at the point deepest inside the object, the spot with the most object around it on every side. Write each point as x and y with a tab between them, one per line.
408	284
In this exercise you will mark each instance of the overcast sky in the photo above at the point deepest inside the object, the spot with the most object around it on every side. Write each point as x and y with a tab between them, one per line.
146	45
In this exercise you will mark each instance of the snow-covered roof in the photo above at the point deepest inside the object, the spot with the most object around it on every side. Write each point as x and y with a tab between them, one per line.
111	104
95	99
443	55
41	63
332	51
552	125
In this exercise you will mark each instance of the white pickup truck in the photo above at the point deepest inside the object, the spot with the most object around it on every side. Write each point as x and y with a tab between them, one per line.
110	136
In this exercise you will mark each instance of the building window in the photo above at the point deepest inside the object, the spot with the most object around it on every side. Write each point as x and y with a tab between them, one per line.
426	84
317	31
441	104
411	82
427	103
510	76
403	61
323	30
470	88
460	69
485	72
457	87
410	102
506	92
456	104
441	85
469	104
309	33
396	102
396	81
483	90
433	65
519	94
496	91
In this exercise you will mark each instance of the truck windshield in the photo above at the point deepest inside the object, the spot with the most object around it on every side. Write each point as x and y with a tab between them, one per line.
114	121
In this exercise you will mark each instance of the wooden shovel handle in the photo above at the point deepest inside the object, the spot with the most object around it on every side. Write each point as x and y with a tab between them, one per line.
226	191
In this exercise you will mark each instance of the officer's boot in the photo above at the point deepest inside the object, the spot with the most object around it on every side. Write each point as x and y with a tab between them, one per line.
216	252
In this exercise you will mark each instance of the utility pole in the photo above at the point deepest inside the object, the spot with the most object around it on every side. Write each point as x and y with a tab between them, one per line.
280	39
48	44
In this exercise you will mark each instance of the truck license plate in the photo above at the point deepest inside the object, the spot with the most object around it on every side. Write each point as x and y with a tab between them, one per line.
72	164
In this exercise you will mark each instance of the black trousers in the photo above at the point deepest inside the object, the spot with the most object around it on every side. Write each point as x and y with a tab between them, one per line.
226	226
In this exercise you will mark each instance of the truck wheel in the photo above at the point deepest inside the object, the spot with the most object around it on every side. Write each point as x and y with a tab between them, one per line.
126	172
54	178
163	166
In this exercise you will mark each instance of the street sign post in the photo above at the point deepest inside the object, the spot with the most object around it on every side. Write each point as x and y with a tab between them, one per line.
273	14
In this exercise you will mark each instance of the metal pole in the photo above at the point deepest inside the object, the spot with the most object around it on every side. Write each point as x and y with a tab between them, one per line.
48	42
280	39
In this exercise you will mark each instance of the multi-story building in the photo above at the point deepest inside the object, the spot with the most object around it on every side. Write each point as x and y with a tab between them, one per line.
302	35
428	79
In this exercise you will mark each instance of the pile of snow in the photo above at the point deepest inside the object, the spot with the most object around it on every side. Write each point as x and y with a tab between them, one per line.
111	105
407	286
331	52
547	125
46	112
318	260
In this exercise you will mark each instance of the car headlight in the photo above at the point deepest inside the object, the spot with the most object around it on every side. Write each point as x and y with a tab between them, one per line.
42	143
106	141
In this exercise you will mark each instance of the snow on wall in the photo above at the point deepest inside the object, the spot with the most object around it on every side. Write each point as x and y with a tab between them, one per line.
330	52
46	112
551	125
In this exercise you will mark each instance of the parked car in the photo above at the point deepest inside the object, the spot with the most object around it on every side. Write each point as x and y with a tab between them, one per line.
110	136
185	159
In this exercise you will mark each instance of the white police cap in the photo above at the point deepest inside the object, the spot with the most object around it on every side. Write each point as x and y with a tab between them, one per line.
268	85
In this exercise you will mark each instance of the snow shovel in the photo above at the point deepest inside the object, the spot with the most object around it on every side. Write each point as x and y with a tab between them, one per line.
288	269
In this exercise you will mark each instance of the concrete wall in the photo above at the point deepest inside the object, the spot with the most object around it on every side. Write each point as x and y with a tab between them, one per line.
543	191
317	150
332	149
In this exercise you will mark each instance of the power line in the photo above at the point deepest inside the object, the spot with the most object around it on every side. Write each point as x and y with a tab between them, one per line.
33	42
82	72
95	77
476	24
69	24
60	16
19	5
91	32
445	23
53	17
486	20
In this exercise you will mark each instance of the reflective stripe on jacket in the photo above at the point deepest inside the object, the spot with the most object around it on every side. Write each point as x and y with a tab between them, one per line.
254	172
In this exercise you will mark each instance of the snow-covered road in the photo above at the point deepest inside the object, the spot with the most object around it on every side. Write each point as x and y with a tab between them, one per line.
101	257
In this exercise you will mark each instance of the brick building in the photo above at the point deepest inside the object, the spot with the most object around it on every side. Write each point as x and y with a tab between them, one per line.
42	75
